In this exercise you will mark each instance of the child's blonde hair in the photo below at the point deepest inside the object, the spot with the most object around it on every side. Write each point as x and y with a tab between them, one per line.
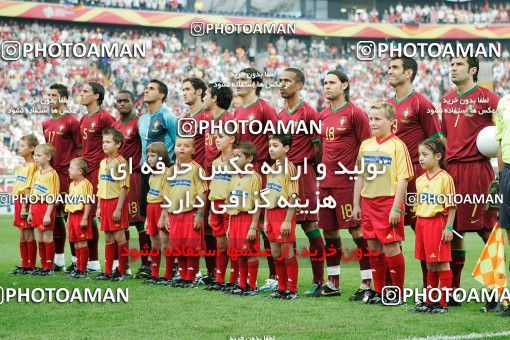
386	108
81	163
46	148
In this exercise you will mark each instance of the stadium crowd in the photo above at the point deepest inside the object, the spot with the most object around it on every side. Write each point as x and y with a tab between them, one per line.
495	13
171	60
439	13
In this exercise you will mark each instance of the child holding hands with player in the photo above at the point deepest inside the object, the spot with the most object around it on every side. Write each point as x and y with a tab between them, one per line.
379	202
434	222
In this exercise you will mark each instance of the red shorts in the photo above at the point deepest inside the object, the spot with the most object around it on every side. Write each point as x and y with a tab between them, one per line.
239	225
76	233
341	216
38	211
375	220
107	208
428	244
472	178
275	218
153	214
307	190
410	218
218	223
18	221
133	198
183	236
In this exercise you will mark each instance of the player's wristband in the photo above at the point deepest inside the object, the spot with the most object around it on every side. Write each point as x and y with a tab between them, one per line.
449	227
199	214
254	228
399	211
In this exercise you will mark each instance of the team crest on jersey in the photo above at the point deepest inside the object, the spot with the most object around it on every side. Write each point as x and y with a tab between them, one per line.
295	124
92	125
342	122
60	130
405	116
470	110
251	117
155	126
128	132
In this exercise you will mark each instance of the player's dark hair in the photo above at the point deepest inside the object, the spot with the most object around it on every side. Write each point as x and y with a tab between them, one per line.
31	141
129	93
197	84
159	148
117	136
285	139
474	62
247	148
300	76
62	90
344	79
256	77
162	88
408	64
436	146
223	94
97	89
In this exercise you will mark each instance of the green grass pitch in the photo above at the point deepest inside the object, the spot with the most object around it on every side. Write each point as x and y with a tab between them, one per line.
158	311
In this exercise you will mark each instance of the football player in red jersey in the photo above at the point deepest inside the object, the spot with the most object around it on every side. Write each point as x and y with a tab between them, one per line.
465	111
62	130
344	127
255	108
193	92
131	150
92	124
304	147
416	121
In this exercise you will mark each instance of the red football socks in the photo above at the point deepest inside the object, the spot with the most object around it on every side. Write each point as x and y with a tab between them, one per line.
292	273
379	266
109	254
397	267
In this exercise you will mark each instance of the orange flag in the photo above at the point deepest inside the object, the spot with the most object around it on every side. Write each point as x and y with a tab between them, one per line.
490	269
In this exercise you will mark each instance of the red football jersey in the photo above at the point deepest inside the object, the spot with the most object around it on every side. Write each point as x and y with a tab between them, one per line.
416	121
302	143
64	134
132	146
261	111
343	130
211	153
199	155
91	129
463	116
